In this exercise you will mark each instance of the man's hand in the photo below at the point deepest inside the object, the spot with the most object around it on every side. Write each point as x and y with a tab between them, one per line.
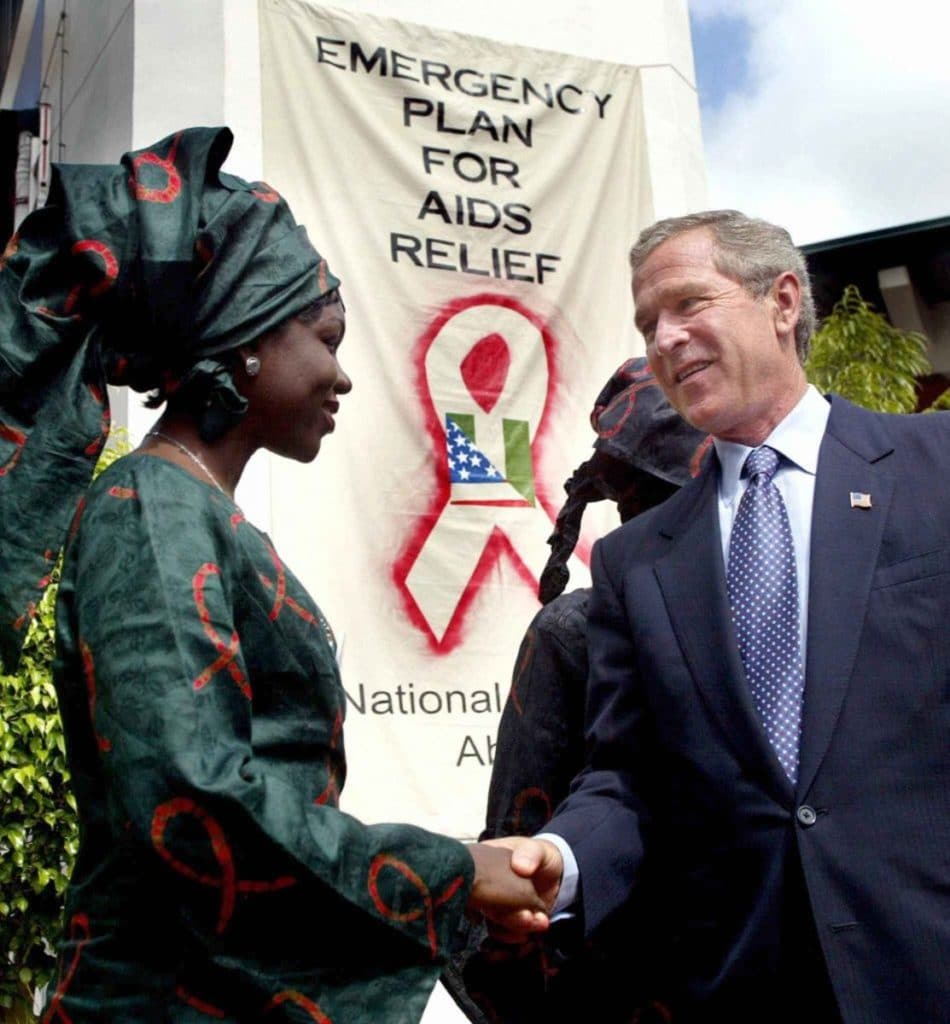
516	883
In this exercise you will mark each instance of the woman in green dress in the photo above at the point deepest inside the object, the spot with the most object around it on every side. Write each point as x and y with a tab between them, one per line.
216	878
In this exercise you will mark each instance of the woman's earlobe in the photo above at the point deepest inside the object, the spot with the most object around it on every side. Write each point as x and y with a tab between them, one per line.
250	359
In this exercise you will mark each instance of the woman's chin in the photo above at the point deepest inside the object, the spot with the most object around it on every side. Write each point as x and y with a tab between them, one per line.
300	451
310	451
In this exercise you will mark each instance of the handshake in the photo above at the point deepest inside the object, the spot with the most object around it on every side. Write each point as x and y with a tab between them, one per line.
516	883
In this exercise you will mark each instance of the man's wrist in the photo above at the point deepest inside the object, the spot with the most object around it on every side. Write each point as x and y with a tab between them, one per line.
570	876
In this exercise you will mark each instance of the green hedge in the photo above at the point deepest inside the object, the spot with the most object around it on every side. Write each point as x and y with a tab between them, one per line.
39	834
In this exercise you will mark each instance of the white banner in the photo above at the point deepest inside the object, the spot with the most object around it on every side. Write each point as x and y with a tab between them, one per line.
477	201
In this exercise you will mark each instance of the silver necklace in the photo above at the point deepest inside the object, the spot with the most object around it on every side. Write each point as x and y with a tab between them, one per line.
191	455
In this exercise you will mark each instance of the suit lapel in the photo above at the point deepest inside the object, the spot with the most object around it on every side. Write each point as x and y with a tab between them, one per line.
845	542
692	579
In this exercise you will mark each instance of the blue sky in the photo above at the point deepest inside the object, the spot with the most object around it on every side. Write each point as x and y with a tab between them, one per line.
831	117
721	53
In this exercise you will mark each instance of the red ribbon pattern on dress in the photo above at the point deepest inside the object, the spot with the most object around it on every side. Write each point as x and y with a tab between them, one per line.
78	926
386	860
227	652
227	881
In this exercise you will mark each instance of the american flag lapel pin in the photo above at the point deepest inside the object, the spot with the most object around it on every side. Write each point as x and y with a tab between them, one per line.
860	500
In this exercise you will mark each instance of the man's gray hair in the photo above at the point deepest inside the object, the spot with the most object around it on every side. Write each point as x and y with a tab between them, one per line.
752	252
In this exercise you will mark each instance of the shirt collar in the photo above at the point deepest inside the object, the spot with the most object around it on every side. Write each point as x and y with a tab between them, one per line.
797	437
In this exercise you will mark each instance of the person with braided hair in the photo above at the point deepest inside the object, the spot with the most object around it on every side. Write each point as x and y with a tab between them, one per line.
643	453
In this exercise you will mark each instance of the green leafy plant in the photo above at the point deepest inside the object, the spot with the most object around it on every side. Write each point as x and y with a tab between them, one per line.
857	354
38	831
39	834
941	403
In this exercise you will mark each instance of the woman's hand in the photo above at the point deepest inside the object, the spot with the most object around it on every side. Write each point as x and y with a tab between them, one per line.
516	883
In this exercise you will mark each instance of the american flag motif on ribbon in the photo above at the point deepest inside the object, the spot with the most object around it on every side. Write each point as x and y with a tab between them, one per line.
473	460
467	465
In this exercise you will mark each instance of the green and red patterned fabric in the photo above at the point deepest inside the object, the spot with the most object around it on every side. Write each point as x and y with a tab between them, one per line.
203	710
202	706
137	273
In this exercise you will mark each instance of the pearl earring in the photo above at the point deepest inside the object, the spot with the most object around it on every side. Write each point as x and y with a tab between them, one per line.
252	366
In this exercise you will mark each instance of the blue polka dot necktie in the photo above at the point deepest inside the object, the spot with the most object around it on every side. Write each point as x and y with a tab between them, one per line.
763	593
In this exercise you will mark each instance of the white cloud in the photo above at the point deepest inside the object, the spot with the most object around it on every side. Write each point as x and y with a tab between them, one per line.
845	124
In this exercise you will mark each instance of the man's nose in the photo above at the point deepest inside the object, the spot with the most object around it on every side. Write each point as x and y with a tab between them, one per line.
669	333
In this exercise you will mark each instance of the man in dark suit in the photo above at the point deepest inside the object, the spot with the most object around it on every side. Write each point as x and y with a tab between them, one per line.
769	700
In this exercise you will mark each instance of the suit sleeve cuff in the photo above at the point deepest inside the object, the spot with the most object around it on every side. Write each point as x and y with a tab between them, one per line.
564	905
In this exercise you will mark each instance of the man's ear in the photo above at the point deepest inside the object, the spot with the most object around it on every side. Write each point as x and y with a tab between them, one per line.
786	296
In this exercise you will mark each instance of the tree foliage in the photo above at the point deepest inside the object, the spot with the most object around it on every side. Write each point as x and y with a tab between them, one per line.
857	354
39	833
941	403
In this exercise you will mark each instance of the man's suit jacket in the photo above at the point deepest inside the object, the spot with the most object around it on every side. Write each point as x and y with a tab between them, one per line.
683	795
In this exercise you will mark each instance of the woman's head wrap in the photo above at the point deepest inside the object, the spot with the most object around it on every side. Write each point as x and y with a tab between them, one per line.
142	273
637	429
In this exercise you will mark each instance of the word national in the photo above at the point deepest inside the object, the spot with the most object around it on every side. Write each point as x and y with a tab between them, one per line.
407	700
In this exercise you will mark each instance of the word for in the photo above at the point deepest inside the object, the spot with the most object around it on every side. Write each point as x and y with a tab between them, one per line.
565	96
443	254
405	700
472	167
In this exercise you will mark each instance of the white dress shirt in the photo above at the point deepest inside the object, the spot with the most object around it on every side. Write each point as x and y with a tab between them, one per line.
797	438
